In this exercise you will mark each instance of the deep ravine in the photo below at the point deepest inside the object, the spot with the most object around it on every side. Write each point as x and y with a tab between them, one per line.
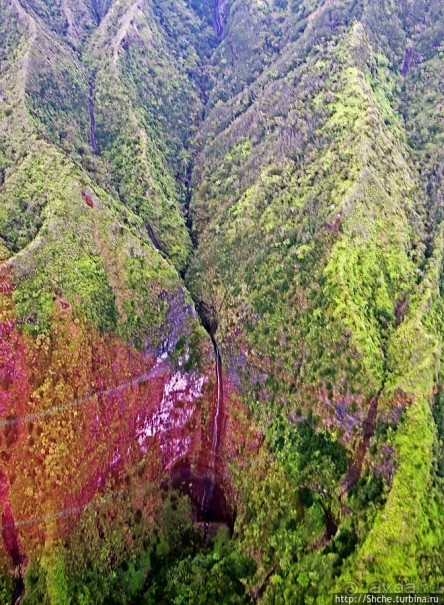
212	499
204	486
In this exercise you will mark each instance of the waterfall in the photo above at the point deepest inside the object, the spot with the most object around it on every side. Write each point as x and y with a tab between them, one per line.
219	403
94	145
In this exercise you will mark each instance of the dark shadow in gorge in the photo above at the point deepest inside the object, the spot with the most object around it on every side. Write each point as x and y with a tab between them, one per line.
18	590
208	494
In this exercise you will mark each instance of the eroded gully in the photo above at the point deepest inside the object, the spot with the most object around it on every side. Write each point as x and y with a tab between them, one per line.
368	431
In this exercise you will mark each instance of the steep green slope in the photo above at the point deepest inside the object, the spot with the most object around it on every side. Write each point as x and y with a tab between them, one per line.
316	209
98	336
68	232
283	223
277	167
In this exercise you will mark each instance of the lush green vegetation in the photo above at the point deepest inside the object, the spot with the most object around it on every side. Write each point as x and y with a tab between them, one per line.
286	177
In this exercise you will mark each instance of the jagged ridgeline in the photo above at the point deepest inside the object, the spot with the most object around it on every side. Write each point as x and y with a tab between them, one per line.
221	314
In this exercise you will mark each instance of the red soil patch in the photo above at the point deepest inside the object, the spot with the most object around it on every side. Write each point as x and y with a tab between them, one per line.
87	199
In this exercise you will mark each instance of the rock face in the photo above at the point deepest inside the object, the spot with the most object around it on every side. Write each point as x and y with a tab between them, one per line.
102	409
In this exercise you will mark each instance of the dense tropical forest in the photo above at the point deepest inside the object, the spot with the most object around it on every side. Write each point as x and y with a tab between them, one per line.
221	300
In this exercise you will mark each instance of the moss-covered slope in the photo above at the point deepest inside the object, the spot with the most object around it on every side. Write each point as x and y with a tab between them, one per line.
315	206
276	166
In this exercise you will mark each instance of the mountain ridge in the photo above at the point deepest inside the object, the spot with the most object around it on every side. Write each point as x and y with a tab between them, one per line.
263	175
